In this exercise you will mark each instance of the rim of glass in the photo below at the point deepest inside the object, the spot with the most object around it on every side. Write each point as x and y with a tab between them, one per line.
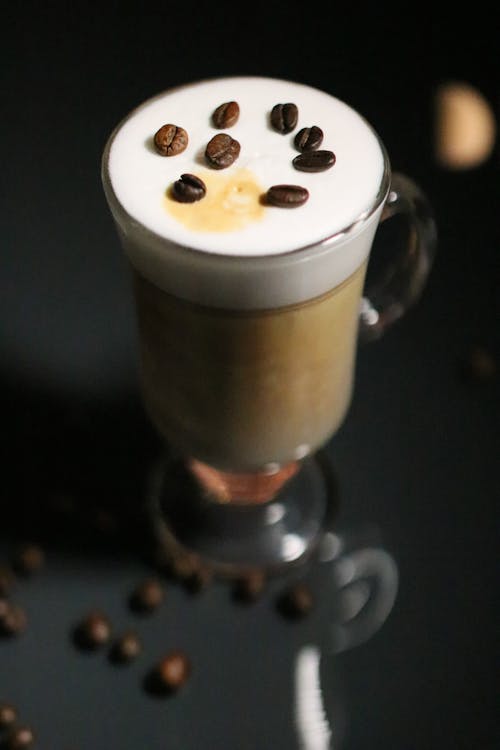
364	216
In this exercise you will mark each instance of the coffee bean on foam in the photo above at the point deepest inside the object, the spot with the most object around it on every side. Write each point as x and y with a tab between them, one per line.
284	117
221	151
189	189
226	115
314	161
287	196
171	140
308	139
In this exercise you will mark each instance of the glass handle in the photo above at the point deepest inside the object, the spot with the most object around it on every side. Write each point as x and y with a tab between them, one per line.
401	281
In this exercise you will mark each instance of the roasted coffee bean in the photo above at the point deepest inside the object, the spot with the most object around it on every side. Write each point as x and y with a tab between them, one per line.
199	580
478	365
314	161
93	631
184	566
222	151
287	196
28	559
8	715
4	607
148	595
20	738
6	580
188	189
226	115
173	670
249	587
171	140
284	117
308	139
297	601
14	620
126	648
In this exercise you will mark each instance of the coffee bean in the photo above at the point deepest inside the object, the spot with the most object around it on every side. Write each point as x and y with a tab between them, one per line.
6	580
314	161
479	365
199	580
226	115
184	566
297	601
173	670
188	189
309	139
171	140
249	587
4	607
147	596
20	738
93	631
284	117
28	559
8	715
14	620
126	648
222	151
287	196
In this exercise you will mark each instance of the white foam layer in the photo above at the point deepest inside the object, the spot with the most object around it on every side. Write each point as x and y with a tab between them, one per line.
262	263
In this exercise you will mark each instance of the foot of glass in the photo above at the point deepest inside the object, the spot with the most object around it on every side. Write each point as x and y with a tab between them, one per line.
235	537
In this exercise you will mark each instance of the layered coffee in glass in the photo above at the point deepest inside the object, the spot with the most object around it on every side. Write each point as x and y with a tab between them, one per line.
248	311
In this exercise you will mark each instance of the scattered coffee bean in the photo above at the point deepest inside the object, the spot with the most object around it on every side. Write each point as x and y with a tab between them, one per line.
184	566
28	559
147	596
284	117
249	587
171	140
309	139
173	670
287	196
226	115
189	189
479	365
199	580
297	601
6	580
126	648
314	161
14	620
19	738
222	151
93	631
4	607
8	715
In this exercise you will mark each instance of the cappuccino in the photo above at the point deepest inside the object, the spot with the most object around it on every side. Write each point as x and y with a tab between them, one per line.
247	311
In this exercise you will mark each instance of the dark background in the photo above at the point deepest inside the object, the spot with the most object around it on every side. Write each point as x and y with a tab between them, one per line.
416	458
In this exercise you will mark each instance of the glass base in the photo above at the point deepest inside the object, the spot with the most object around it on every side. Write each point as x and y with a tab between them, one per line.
235	538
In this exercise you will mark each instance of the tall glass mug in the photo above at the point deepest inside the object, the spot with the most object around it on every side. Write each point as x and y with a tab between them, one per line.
250	301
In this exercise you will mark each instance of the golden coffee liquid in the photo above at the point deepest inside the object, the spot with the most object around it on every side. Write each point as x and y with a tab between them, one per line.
244	389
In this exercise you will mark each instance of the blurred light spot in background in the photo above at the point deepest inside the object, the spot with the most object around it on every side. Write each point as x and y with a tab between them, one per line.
465	127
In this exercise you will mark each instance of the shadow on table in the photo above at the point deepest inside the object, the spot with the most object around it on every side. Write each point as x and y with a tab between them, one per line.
73	472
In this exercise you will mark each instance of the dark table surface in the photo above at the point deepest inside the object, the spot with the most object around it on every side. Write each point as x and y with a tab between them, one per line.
415	461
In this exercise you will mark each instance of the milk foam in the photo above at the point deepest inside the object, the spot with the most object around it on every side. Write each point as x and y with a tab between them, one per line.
139	176
278	257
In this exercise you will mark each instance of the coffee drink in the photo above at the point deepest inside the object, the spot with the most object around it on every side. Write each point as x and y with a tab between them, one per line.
247	307
242	389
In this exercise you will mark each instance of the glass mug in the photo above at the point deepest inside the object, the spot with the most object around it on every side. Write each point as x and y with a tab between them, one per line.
245	397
